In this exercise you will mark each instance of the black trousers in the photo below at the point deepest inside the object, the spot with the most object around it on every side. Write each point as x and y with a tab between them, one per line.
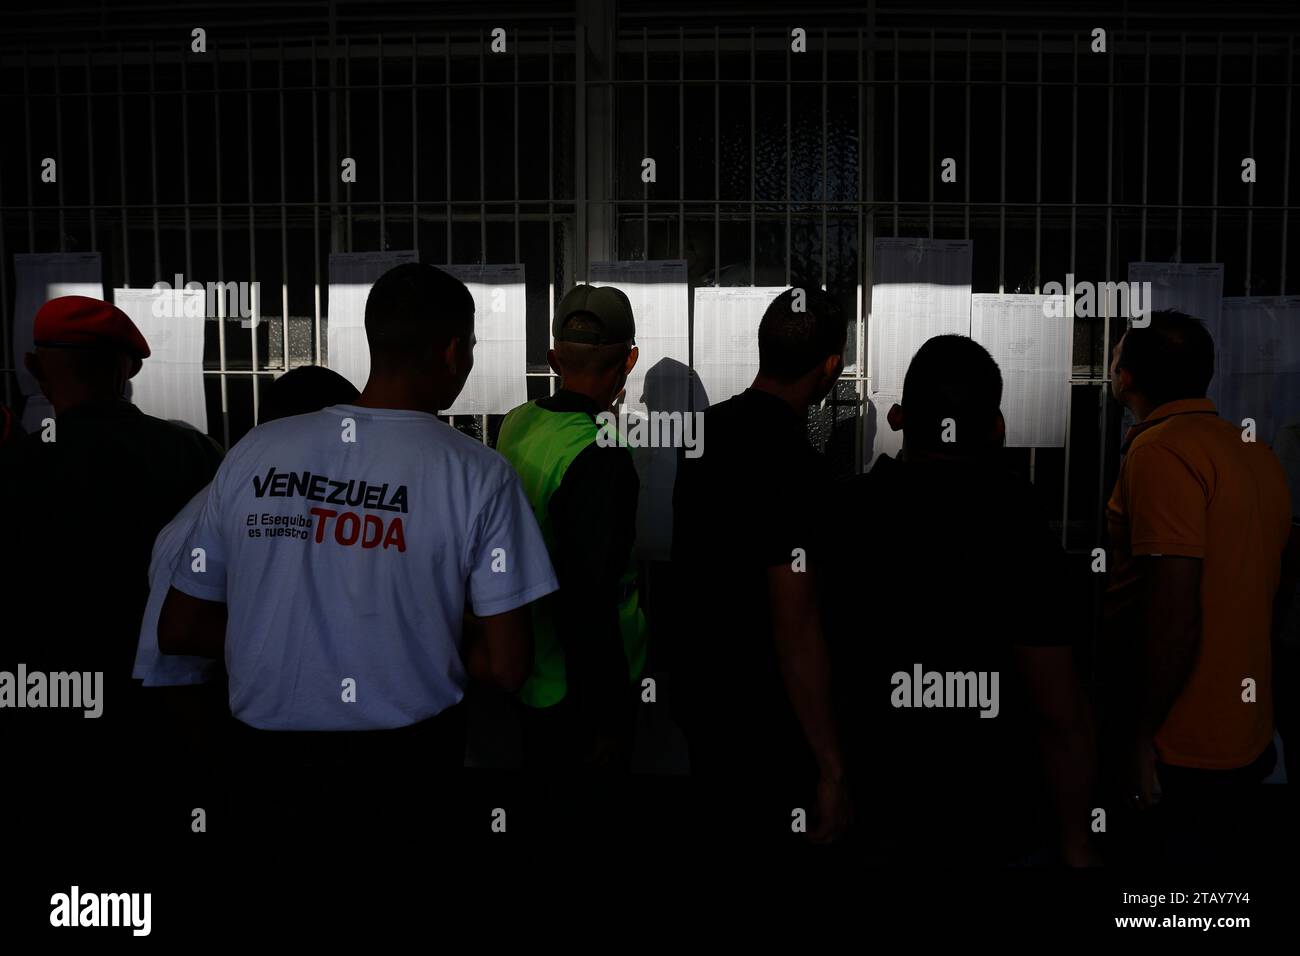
383	785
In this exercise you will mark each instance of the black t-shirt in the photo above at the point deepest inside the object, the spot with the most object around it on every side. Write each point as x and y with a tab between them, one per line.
946	566
746	504
80	515
593	522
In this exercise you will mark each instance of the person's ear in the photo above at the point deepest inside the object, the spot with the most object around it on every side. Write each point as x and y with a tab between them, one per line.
633	354
1000	430
833	367
553	362
451	356
895	417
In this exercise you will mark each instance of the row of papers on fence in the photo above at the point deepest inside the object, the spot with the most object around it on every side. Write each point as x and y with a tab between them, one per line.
921	288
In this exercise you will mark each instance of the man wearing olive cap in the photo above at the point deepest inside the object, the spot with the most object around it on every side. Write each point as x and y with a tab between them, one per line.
83	498
590	636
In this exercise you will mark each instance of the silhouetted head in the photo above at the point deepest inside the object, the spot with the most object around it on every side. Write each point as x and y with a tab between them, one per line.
594	351
801	342
951	398
1172	358
420	326
85	351
306	389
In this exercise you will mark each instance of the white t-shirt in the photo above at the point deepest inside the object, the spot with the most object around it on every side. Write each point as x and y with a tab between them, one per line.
347	565
169	670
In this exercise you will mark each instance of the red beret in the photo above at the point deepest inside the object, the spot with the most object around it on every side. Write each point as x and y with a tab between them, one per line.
78	320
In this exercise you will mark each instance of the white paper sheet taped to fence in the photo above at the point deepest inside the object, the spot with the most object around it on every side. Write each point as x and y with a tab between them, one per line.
497	383
1259	362
921	288
170	383
351	274
657	290
1029	337
40	277
726	338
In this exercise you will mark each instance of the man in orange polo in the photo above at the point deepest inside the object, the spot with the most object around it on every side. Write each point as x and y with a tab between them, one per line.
1199	520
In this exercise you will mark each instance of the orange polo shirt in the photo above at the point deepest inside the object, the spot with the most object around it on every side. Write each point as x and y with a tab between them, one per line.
1190	486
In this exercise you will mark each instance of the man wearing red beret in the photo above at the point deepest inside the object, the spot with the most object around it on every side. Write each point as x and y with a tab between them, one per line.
82	499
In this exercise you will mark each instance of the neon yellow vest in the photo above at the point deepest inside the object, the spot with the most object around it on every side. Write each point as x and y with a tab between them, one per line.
541	445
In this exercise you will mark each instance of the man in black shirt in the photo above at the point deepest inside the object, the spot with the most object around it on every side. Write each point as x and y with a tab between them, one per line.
83	499
748	534
959	656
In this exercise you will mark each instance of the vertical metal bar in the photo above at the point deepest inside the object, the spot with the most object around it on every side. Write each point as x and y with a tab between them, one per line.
1214	188
1069	292
1182	115
379	97
482	154
645	140
90	165
1146	139
153	163
221	254
58	142
753	137
550	175
335	242
580	150
896	89
252	229
789	195
1250	146
826	192
515	145
1002	179
1286	159
284	226
415	148
681	142
347	126
717	158
27	139
1104	439
121	170
315	199
185	163
966	167
859	385
446	138
931	169
1038	184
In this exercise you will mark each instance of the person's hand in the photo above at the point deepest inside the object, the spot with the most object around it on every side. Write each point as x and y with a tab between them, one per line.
834	810
1142	786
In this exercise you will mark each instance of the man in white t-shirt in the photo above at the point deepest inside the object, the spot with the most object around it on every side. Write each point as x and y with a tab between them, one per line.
339	553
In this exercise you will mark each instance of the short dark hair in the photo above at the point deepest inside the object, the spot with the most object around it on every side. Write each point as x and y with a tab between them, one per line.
790	343
306	389
412	309
951	376
1169	359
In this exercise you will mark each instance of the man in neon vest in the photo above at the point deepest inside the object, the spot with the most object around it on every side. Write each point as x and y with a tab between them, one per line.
578	705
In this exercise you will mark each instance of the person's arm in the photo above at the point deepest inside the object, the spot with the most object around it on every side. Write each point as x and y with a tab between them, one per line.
193	626
499	648
805	667
1065	741
1170	635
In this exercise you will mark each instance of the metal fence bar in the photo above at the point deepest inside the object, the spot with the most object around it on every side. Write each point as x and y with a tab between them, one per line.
254	296
284	231
221	253
1286	161
315	197
1250	147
